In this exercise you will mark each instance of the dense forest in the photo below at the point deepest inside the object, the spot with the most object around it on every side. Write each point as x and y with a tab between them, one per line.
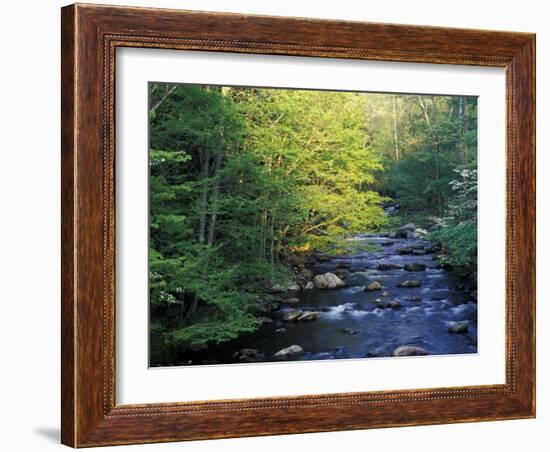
247	184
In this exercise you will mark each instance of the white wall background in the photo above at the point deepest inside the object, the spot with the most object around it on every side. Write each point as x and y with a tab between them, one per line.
29	224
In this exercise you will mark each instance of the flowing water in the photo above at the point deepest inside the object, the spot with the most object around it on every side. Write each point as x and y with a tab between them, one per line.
353	324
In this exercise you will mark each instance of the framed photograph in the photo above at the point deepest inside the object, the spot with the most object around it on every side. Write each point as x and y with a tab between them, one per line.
281	225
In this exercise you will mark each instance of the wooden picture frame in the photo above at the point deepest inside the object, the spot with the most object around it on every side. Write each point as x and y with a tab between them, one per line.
90	36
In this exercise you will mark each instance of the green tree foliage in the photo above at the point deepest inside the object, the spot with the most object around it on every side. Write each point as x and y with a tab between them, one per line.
246	181
242	181
458	227
423	140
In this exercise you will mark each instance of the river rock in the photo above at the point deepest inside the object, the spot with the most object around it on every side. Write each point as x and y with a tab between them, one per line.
385	293
394	304
344	265
342	274
388	266
405	250
304	274
267	320
309	315
293	315
407	227
294	286
419	252
292	300
328	281
414	267
408	350
309	285
402	231
293	350
248	355
349	331
281	330
409	283
375	285
459	328
277	288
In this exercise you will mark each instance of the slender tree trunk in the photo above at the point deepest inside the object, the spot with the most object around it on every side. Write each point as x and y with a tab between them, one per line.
169	90
204	196
202	221
193	307
181	310
395	128
424	109
272	241
215	193
435	148
263	237
461	150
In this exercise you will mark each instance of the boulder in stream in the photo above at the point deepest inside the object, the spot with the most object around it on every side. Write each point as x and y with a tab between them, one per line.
408	350
403	231
277	288
375	285
459	328
309	315
305	274
388	267
294	286
292	300
342	274
293	315
405	250
410	283
349	331
328	281
414	267
248	355
289	352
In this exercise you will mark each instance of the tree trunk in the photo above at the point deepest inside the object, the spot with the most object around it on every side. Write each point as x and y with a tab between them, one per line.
192	308
395	128
435	148
272	242
204	196
461	115
215	193
202	221
169	90
181	310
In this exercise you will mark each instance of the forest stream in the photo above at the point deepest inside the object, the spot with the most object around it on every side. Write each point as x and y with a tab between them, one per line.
353	322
